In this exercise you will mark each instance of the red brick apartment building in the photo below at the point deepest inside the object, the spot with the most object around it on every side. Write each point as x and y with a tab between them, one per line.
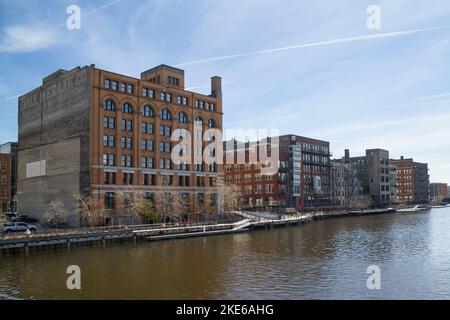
412	181
301	181
438	191
5	182
95	131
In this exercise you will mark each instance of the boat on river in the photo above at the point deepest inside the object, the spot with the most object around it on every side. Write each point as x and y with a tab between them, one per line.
417	208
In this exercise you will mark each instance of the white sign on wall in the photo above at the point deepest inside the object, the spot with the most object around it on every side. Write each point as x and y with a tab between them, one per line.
36	169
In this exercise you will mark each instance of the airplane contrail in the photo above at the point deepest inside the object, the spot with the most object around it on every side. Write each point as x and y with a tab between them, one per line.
313	44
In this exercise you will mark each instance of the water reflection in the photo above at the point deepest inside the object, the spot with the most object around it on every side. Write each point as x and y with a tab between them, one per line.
322	260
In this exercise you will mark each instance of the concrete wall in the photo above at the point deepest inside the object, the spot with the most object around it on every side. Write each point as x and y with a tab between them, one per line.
54	126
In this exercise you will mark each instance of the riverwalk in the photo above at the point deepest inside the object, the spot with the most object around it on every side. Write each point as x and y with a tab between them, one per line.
66	239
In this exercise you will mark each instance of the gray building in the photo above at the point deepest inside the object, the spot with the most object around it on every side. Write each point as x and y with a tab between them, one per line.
344	177
53	151
421	183
373	173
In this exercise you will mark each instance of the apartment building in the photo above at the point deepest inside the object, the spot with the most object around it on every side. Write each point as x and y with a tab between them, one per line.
302	179
98	132
8	176
412	180
438	191
344	177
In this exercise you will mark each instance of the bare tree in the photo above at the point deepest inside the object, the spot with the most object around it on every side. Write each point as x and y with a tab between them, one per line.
91	209
178	205
56	213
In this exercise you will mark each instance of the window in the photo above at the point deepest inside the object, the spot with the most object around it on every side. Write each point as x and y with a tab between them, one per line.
130	88
144	162
150	145
112	141
211	123
109	200
168	97
105	159
126	108
182	117
109	105
146	128
105	122
123	142
145	92
123	87
111	160
107	83
123	124
168	131
198	120
130	125
129	143
105	141
147	111
165	114
114	85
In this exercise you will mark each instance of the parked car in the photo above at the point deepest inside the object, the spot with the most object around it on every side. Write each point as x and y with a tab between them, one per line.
18	227
11	215
24	218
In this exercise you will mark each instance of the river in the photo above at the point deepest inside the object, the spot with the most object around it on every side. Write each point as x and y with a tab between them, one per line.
322	260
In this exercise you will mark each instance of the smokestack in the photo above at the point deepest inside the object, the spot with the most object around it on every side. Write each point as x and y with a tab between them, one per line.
402	157
347	154
216	87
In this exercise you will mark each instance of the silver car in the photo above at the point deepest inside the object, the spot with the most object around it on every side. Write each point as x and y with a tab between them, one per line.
18	227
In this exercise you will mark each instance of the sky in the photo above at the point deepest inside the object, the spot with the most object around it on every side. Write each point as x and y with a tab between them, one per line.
311	68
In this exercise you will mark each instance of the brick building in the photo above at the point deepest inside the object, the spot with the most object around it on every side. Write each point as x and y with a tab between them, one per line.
93	131
344	179
302	180
438	191
373	174
8	176
412	181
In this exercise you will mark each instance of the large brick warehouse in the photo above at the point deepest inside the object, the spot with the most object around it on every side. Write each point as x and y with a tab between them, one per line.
93	131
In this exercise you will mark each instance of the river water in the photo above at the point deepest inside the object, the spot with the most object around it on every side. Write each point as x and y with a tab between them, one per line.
322	260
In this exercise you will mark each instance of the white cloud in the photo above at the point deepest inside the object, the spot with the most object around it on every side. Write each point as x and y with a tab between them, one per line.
29	38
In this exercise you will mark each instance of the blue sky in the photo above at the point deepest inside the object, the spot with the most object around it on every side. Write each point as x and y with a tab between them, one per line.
387	89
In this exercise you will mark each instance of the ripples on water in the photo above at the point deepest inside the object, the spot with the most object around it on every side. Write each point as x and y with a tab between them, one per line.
323	260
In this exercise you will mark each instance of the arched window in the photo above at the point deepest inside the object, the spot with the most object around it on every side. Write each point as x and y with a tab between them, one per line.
126	108
147	111
211	123
182	117
165	114
109	105
198	120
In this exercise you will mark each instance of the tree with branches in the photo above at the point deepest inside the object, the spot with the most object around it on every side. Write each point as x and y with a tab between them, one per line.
91	209
56	214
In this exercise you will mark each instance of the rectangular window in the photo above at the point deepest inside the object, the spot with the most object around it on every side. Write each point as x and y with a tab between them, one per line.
129	143
112	141
144	92
150	163
150	128
105	141
151	93
150	146
112	123
130	88
123	142
123	124
123	87
105	159
111	160
114	85
185	101
161	146
130	125
143	144
161	163
143	127
179	99
161	130
123	161
130	161
168	164
162	96
107	83
168	147
168	97
105	122
109	200
144	162
168	131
